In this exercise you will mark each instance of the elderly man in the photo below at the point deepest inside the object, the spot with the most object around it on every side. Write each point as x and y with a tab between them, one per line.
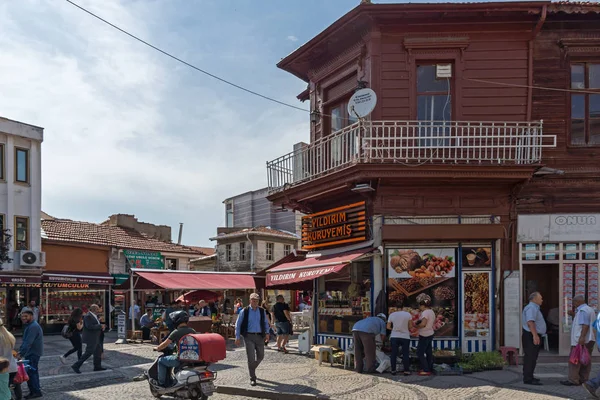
203	309
253	325
583	334
534	326
365	332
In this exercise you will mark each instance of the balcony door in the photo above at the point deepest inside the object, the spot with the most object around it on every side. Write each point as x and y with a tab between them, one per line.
343	144
434	106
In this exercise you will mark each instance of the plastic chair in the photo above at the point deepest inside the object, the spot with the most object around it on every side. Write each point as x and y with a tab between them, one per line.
507	351
326	350
348	355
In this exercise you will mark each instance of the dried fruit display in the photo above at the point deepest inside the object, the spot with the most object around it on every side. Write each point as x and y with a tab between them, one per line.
405	260
477	293
443	293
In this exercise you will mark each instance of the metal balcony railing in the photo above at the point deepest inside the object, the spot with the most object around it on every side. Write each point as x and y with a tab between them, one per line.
411	143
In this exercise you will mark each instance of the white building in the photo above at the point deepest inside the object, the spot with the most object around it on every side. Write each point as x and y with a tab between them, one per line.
21	192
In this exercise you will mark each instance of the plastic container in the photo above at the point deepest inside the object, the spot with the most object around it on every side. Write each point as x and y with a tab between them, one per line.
201	347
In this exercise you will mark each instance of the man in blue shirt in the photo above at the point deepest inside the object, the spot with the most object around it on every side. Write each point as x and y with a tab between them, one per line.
32	349
534	326
253	325
365	332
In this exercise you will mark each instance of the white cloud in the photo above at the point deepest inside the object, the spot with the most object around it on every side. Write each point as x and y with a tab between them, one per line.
292	38
124	125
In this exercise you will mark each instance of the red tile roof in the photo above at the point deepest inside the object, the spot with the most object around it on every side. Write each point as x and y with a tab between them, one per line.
207	251
66	230
265	230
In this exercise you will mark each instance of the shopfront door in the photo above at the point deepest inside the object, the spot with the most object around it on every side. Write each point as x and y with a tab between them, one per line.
545	278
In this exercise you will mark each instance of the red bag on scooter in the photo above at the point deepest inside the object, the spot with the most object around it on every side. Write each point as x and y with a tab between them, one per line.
201	347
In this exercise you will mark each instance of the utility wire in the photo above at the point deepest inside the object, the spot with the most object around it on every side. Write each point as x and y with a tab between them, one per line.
574	91
185	62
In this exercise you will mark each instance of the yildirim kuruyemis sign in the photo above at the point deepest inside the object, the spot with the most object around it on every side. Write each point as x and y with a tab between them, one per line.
336	226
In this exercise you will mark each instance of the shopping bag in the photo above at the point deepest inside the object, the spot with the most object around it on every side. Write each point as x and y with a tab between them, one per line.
21	375
584	357
579	355
66	332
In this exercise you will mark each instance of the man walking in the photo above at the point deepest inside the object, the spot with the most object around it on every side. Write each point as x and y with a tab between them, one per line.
283	322
92	330
253	325
534	326
583	334
593	384
364	333
32	349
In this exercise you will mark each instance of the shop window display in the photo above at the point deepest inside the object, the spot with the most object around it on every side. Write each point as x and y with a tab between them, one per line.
430	271
345	300
58	304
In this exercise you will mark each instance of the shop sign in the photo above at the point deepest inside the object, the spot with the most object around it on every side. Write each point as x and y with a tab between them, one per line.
67	285
94	280
120	278
144	259
559	228
20	280
337	226
285	277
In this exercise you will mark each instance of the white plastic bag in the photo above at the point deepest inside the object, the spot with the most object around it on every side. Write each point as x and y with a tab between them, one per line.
383	360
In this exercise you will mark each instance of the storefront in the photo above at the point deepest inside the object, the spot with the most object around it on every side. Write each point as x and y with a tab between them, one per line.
459	278
61	293
17	291
559	258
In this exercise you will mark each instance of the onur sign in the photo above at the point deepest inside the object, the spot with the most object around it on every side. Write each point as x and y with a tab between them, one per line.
559	228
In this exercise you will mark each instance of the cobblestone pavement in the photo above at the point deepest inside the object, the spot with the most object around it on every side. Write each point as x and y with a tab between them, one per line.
292	373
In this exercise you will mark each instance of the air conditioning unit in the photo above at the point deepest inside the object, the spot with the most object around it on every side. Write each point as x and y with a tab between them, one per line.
29	259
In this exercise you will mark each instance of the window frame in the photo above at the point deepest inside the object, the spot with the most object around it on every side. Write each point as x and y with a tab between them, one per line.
2	161
27	233
168	264
586	93
287	249
451	86
270	251
27	167
242	249
228	253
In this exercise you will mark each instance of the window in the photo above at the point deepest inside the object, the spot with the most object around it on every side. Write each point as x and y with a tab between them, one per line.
227	252
585	107
270	248
229	214
242	251
22	165
434	105
171	264
343	146
22	233
1	161
287	249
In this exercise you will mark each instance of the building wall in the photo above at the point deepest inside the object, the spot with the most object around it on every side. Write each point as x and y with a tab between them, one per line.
259	247
21	199
253	209
75	259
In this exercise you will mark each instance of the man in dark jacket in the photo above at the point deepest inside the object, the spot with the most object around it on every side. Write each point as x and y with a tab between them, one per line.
92	331
32	349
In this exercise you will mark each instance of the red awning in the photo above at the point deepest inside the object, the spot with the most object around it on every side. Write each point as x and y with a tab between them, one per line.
312	267
191	280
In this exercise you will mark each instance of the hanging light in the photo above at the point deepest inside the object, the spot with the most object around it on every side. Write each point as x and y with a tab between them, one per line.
314	116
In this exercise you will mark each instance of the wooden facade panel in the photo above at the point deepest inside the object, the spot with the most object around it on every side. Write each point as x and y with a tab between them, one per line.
491	74
481	111
485	45
395	113
498	92
493	101
395	102
491	65
394	57
474	55
392	84
393	66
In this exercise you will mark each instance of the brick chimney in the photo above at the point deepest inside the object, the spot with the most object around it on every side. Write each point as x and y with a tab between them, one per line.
127	221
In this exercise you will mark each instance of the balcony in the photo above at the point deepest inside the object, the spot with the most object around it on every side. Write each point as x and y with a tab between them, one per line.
412	144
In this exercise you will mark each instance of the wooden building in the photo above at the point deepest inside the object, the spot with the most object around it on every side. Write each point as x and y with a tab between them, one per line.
453	151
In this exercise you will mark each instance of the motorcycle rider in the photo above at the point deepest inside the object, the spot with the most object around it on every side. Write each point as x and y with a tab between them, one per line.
165	363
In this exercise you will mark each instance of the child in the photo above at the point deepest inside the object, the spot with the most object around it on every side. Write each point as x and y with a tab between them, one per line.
4	389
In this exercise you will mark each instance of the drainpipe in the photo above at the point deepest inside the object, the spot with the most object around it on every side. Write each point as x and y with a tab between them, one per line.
251	253
536	31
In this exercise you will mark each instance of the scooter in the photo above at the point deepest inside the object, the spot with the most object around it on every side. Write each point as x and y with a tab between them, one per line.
188	381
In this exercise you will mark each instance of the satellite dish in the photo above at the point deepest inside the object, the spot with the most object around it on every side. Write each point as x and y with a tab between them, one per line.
362	103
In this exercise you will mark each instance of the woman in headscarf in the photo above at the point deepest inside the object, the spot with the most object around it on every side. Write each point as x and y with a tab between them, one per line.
7	344
425	325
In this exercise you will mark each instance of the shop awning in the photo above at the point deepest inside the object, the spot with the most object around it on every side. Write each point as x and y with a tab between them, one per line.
193	280
312	267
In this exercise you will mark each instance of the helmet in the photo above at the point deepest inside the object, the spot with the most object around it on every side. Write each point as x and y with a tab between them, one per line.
382	316
179	317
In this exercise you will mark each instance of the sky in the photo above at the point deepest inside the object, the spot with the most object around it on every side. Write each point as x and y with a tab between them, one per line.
128	130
